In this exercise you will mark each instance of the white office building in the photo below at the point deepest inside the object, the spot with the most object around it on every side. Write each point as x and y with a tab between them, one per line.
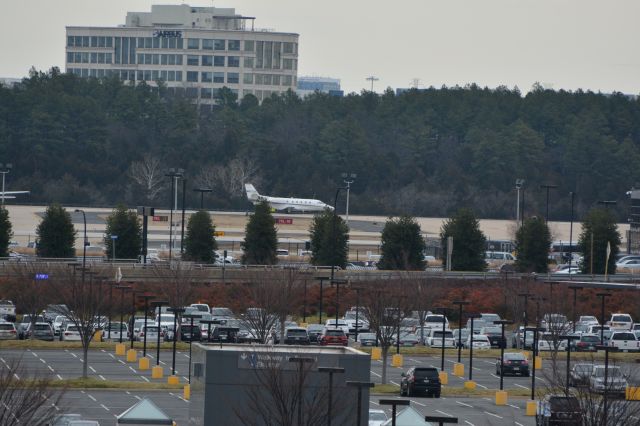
193	50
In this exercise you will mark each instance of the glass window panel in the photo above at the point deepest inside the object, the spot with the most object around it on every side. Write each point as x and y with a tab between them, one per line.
287	47
171	59
164	59
165	43
85	43
148	43
178	59
163	75
248	62
77	41
192	76
275	80
118	50
148	58
234	44
193	43
109	42
259	78
259	54
171	76
132	50
206	77
140	42
219	44
147	75
94	57
218	61
193	60
207	44
156	59
233	61
102	41
207	61
156	43
206	93
286	80
70	57
218	77
249	45
77	57
125	50
287	64
70	40
85	57
140	75
85	72
247	78
108	58
101	58
276	55
191	92
100	73
155	74
94	41
178	75
266	79
268	53
233	77
141	58
172	43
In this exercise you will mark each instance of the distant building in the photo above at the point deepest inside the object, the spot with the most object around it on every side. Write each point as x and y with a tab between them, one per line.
9	82
193	50
309	85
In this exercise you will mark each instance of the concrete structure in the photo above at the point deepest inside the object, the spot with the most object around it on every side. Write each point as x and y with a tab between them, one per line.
194	50
226	379
309	85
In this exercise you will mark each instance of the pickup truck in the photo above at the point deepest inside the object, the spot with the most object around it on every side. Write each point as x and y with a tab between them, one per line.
624	341
7	310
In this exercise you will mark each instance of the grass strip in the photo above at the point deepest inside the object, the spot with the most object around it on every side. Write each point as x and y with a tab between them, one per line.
91	383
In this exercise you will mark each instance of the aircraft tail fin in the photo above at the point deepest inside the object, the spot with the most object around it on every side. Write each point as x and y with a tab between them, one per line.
252	194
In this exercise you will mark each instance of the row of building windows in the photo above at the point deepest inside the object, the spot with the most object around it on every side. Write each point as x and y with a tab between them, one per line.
89	58
215	61
191	76
89	41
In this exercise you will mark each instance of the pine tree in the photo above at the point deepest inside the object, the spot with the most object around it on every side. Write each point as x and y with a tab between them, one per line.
261	239
56	234
329	247
402	246
124	224
469	242
601	224
6	232
533	241
200	244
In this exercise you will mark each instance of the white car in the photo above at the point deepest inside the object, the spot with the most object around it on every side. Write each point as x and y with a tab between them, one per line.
549	342
57	324
629	264
114	332
588	320
340	324
620	321
71	333
434	339
201	307
152	333
480	341
377	417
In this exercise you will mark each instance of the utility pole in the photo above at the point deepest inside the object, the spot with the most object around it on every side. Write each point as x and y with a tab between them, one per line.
348	179
372	79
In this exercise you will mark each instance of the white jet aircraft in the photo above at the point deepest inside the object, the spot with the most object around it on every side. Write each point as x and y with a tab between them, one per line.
6	195
288	205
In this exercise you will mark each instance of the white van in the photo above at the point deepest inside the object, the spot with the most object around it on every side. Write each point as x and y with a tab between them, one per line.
499	256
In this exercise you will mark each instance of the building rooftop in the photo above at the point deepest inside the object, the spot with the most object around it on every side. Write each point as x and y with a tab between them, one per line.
185	16
289	349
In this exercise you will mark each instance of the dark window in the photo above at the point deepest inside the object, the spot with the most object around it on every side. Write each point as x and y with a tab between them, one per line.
421	373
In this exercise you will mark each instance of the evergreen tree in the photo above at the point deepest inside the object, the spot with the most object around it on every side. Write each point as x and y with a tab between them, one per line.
601	224
124	224
6	232
402	245
329	248
261	239
56	234
533	241
469	242
200	244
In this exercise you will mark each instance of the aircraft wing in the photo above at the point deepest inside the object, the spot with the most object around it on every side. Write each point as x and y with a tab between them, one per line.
5	193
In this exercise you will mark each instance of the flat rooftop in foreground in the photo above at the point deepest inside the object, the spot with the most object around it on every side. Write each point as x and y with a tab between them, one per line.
289	349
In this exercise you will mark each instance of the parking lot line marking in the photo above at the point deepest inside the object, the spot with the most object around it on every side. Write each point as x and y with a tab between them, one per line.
121	362
476	368
137	397
494	415
50	368
514	406
415	360
145	379
43	361
105	407
92	398
59	376
375	374
373	402
443	413
55	406
518	424
92	369
186	379
133	369
162	362
112	356
464	404
34	354
419	403
482	386
102	377
16	376
486	399
394	383
523	387
74	355
469	423
488	362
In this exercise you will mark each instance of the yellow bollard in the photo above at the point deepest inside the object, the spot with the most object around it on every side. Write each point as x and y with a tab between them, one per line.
143	363
632	393
538	363
444	377
397	360
97	336
186	393
458	369
157	372
173	380
470	385
376	354
132	355
120	349
532	407
502	397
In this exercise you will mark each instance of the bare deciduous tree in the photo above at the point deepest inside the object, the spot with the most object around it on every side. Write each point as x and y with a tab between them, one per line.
149	175
230	178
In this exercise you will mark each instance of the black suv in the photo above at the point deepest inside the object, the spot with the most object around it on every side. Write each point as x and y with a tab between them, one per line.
417	379
559	410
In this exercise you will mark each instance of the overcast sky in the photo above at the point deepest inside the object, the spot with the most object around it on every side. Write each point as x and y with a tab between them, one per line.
570	44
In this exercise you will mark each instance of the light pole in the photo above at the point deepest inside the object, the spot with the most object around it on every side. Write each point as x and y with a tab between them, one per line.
202	192
4	169
158	306
568	338
85	243
191	317
460	304
146	311
571	237
526	297
471	317
174	175
357	290
321	279
602	296
605	399
547	187
394	403
575	289
122	289
133	314
333	234
337	283
502	323
301	361
348	179
113	247
519	184
176	330
444	327
330	371
359	386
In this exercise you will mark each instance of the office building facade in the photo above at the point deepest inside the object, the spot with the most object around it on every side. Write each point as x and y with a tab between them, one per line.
194	51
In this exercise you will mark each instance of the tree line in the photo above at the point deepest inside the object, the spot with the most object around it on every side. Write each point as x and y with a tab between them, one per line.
422	153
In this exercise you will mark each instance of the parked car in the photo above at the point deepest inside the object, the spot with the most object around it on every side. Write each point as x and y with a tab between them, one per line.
339	324
513	363
620	322
225	334
494	333
485	320
114	331
460	335
556	323
521	339
480	341
52	311
189	334
588	320
202	307
71	333
26	321
7	310
434	339
314	331
151	332
296	336
421	380
408	339
8	331
221	314
551	342
579	375
624	341
367	339
435	321
333	337
616	383
559	410
632	264
573	270
58	324
40	331
586	343
377	417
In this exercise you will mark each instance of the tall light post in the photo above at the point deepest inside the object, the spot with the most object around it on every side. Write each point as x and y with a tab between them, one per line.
202	191
357	290
330	371
348	179
502	323
602	296
443	311
333	233
321	279
605	399
519	184
337	284
176	331
472	317
568	338
575	289
158	305
85	242
133	314
360	386
4	169
526	297
191	317
122	289
460	304
146	311
572	194
394	403
301	361
548	187
174	175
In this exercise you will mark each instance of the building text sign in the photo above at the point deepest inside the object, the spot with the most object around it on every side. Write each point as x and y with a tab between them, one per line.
167	34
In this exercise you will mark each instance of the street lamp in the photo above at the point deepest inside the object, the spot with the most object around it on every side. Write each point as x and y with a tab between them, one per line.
460	304
526	297
535	331
4	169
348	179
547	187
158	306
605	399
472	317
360	386
503	343
175	311
191	317
571	238
331	371
146	310
568	338
174	175
602	296
575	289
444	327
301	361
519	185
85	242
441	420
337	284
357	290
394	403
133	313
321	279
202	192
333	233
122	288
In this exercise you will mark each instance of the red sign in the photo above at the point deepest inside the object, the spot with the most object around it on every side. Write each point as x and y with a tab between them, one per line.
284	221
161	218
